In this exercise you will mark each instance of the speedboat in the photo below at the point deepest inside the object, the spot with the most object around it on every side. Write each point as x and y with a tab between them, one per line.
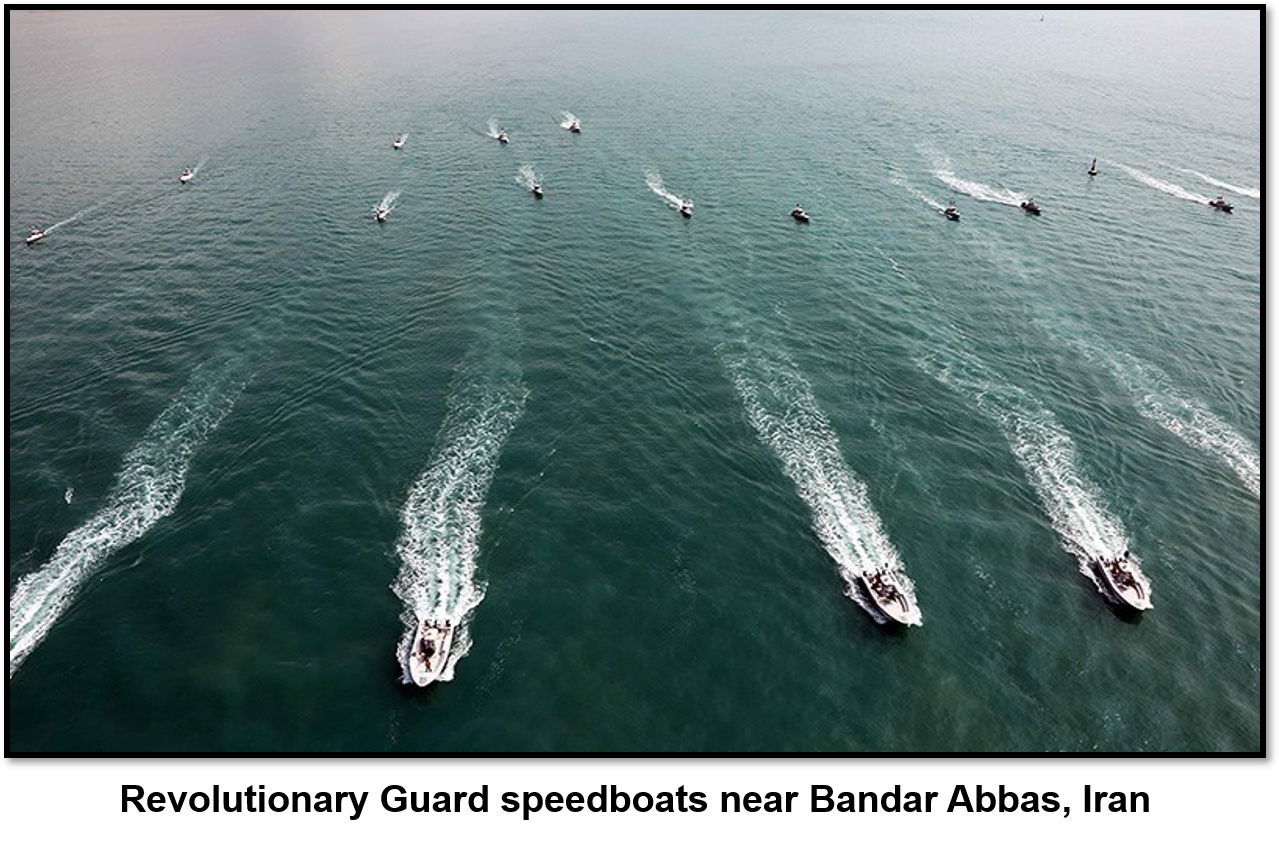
1125	582
429	652
883	588
537	189
575	127
950	212
502	138
1092	171
1030	207
36	234
1221	205
800	214
187	175
685	208
399	142
380	214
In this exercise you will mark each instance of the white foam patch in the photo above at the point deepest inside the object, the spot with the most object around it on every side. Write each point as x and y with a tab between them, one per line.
77	215
569	119
388	201
1047	456
1255	193
440	520
917	193
1160	185
653	179
977	190
780	405
526	177
1157	400
493	129
147	489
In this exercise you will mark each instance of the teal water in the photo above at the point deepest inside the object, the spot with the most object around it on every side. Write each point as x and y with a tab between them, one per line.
254	434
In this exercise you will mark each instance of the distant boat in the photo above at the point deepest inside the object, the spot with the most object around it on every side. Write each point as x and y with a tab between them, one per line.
1125	582
685	208
36	234
882	586
1092	171
800	214
537	190
398	143
429	652
502	138
950	212
187	175
575	127
380	214
1030	207
1221	205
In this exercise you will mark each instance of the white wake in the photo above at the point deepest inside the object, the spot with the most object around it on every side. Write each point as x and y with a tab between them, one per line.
1047	455
1255	193
1160	185
780	405
1188	419
654	181
147	489
440	520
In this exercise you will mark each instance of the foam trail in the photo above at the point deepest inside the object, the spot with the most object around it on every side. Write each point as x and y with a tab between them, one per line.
1242	191
196	169
388	201
493	129
780	405
986	193
569	117
654	181
1160	185
526	177
77	215
918	194
1047	456
148	488
1160	402
440	521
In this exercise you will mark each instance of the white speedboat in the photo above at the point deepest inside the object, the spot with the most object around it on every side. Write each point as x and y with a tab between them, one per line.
398	143
537	189
380	214
187	175
36	234
1125	581
950	212
429	652
685	208
800	214
502	138
575	127
885	590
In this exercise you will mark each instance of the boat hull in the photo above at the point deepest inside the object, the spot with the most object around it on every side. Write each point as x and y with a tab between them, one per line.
1134	595
428	653
897	606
